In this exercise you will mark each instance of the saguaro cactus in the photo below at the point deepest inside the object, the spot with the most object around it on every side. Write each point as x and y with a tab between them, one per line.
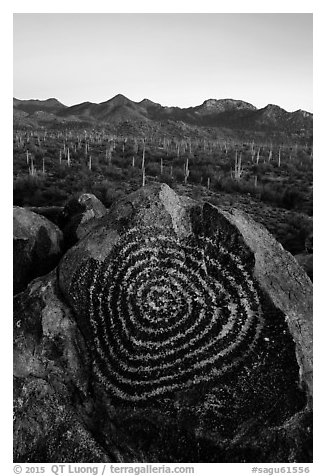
32	169
108	154
186	171
135	146
279	157
143	161
143	166
238	170
258	156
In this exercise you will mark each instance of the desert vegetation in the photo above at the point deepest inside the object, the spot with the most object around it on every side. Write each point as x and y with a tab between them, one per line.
264	177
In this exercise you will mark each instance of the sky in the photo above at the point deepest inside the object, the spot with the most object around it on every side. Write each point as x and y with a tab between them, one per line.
173	59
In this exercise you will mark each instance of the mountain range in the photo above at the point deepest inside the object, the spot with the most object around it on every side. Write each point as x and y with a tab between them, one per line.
212	113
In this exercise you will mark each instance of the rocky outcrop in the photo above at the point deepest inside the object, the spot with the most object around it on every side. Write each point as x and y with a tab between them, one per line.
79	216
37	246
53	400
187	337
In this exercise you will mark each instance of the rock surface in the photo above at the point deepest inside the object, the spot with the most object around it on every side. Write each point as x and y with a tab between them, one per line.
187	338
52	213
53	399
79	215
37	246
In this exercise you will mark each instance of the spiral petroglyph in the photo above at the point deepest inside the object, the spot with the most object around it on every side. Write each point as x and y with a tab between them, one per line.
173	330
166	314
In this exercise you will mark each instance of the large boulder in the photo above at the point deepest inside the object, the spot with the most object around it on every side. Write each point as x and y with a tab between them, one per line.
37	246
197	316
175	332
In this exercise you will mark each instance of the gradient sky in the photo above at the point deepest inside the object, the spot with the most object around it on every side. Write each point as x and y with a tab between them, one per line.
173	59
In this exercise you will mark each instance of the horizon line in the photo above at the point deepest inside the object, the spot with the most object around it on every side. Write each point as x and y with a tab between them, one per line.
179	107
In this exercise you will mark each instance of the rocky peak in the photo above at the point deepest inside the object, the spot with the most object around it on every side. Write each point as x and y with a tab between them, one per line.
302	113
148	103
223	105
119	100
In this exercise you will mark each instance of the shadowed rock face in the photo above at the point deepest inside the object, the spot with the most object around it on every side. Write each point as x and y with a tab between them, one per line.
198	334
53	404
78	217
37	246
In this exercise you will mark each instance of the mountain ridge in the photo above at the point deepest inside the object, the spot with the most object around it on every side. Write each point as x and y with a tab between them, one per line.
214	113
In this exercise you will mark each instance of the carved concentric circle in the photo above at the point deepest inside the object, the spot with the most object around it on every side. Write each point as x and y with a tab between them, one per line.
165	315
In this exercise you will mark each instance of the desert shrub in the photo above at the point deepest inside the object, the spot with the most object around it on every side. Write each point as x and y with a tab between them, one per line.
24	189
116	173
52	195
195	175
29	191
100	190
270	195
111	195
178	174
292	198
262	168
133	173
299	228
124	162
61	171
166	178
230	185
152	169
216	185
